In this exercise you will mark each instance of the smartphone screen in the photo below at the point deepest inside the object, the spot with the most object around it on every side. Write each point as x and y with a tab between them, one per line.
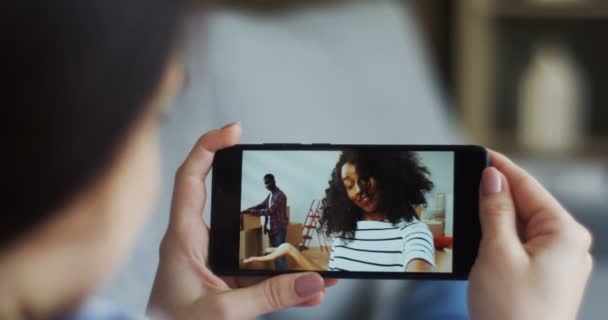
348	211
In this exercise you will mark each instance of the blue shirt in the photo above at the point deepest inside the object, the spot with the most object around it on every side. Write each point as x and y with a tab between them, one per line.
97	309
427	300
434	300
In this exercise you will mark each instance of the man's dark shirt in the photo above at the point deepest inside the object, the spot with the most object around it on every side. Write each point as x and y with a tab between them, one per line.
277	211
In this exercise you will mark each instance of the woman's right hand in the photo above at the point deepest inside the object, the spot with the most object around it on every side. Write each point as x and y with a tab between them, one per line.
272	254
300	261
534	260
184	286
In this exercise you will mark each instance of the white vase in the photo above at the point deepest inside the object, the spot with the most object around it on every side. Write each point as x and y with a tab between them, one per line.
552	101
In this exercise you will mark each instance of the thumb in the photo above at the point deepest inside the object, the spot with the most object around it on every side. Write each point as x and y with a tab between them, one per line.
497	210
271	295
189	193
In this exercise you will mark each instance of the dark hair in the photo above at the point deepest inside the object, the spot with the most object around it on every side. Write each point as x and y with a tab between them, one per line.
402	183
78	74
269	176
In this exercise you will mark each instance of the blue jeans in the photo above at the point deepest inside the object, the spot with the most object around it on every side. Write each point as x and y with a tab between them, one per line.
276	240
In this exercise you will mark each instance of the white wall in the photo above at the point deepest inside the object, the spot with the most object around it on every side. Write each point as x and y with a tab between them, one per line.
303	176
441	167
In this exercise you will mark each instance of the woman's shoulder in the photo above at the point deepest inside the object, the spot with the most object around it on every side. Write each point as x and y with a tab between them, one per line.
401	228
413	225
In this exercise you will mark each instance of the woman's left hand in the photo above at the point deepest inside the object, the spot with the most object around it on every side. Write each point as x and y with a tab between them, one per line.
271	254
184	286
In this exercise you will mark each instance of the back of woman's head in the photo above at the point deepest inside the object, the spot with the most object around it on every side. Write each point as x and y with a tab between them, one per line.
77	75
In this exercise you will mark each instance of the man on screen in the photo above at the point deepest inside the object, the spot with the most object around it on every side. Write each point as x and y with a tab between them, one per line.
274	209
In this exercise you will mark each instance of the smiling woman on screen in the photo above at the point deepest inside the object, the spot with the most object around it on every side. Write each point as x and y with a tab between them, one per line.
369	212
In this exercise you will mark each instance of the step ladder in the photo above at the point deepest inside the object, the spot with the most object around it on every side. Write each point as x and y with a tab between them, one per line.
312	226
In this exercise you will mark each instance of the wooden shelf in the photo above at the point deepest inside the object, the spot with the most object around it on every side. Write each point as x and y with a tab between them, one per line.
582	10
485	28
594	149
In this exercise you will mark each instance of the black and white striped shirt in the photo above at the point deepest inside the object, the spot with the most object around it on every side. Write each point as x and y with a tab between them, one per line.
380	246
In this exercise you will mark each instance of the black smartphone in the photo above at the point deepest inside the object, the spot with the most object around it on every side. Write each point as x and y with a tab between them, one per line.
346	211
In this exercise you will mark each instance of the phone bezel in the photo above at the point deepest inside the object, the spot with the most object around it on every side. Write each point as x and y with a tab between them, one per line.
469	162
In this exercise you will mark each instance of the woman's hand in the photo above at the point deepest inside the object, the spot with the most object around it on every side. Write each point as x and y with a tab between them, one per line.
184	286
301	262
534	259
272	253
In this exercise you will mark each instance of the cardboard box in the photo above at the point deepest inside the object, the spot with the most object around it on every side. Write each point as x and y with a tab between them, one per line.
250	243
258	265
249	221
265	242
294	234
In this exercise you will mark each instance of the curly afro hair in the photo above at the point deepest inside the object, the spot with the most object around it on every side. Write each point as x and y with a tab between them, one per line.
402	183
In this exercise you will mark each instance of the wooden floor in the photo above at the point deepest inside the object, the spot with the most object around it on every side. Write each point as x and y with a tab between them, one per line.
443	261
318	256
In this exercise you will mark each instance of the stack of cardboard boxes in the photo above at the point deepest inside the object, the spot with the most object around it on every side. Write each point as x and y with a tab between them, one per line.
253	241
250	239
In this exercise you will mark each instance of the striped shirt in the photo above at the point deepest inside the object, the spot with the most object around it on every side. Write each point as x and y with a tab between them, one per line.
380	246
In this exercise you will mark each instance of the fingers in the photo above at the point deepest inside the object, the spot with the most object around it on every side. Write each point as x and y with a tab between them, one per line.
200	158
272	254
272	295
544	221
266	258
189	189
314	301
242	282
497	210
270	250
254	259
529	196
330	282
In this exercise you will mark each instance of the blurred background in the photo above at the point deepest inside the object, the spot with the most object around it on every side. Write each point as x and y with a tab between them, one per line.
526	77
530	78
